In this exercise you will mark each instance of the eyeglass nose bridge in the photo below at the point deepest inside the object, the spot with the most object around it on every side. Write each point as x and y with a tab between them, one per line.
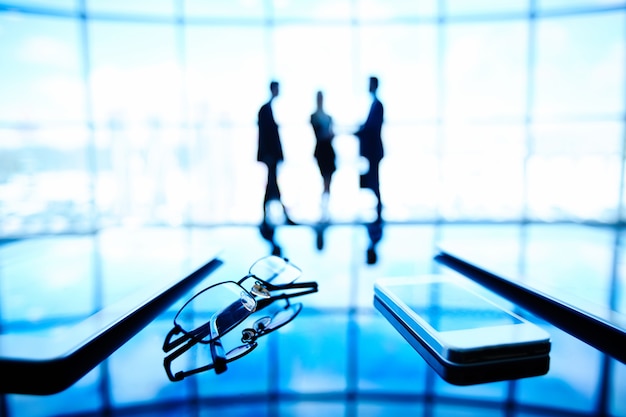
259	290
250	335
247	302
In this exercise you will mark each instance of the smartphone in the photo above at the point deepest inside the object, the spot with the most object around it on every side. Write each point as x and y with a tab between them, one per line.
470	373
457	323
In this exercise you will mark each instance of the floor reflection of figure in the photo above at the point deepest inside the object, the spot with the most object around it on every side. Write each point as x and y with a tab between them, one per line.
268	232
375	234
320	228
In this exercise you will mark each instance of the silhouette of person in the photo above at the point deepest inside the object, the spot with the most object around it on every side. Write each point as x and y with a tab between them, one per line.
324	153
270	151
371	148
371	144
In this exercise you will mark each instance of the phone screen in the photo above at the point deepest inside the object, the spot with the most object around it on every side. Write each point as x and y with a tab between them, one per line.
447	306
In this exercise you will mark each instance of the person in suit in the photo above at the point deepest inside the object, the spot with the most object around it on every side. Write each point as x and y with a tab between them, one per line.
371	144
371	148
270	151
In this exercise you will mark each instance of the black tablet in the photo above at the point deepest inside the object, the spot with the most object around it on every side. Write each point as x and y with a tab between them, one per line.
41	362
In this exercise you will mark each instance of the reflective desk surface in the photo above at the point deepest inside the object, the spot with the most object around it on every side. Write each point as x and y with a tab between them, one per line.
341	356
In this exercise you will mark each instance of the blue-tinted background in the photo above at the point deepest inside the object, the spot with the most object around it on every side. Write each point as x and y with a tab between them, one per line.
117	113
128	149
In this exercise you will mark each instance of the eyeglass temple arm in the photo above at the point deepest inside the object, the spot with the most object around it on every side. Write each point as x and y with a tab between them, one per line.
272	287
183	374
310	287
180	375
217	354
168	344
167	361
264	302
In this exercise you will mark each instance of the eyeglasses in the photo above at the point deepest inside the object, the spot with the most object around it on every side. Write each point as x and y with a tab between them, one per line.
216	310
272	274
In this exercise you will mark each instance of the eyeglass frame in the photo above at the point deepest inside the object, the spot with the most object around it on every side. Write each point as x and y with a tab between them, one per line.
196	335
266	299
221	359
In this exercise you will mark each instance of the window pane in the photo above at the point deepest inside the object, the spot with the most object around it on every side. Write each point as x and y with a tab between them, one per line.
41	73
575	4
136	7
68	5
580	66
142	174
228	81
574	171
225	9
137	95
308	59
485	7
409	173
389	9
485	70
482	172
573	188
313	9
404	57
135	73
45	185
227	76
576	139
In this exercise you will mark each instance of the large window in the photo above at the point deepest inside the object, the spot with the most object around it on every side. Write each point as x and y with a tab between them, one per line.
226	75
45	175
146	113
576	141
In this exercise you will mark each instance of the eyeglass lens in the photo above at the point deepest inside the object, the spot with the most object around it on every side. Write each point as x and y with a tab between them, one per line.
222	306
275	270
269	323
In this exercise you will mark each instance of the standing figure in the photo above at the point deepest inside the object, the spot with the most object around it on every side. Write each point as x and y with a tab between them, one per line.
371	144
324	153
270	151
371	148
